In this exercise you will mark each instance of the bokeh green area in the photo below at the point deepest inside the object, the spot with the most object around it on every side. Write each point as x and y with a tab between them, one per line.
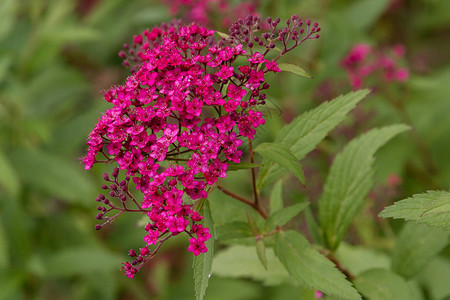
56	56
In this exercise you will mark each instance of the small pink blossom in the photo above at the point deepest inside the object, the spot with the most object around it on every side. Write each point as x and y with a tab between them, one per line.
364	61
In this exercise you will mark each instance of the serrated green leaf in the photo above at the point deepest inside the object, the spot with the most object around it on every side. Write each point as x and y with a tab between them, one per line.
241	166
282	155
233	230
432	208
416	245
276	197
281	217
313	226
311	268
349	181
307	130
261	252
294	69
242	262
380	284
202	264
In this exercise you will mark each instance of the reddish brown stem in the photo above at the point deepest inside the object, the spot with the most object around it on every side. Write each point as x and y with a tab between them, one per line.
341	268
253	171
259	209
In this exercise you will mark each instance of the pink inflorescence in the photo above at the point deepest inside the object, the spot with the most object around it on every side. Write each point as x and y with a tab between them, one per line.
363	61
177	123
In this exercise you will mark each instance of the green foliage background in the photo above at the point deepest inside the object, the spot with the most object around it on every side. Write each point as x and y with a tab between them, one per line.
56	56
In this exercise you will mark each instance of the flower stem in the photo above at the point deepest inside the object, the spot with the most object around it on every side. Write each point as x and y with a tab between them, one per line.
252	170
340	267
259	209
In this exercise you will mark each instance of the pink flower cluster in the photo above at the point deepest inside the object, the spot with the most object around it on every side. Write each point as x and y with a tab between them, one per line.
363	61
179	120
176	124
204	11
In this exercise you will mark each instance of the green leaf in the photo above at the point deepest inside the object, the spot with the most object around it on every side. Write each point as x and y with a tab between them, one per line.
252	223
282	155
242	262
416	245
379	284
364	13
241	166
11	285
432	208
303	134
53	175
294	69
4	244
276	197
313	226
233	230
202	263
8	176
81	261
261	251
435	278
349	181
5	63
71	33
358	259
8	10
311	268
281	217
221	34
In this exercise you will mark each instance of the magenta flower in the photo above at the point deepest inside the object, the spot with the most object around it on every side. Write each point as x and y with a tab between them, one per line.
363	61
177	122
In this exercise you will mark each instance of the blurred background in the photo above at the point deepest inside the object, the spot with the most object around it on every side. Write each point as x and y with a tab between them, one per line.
56	57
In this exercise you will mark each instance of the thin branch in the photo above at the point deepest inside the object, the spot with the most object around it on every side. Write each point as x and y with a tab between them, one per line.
253	171
235	196
259	209
341	268
176	159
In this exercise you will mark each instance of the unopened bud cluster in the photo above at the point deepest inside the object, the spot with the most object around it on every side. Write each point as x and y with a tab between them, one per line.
248	31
